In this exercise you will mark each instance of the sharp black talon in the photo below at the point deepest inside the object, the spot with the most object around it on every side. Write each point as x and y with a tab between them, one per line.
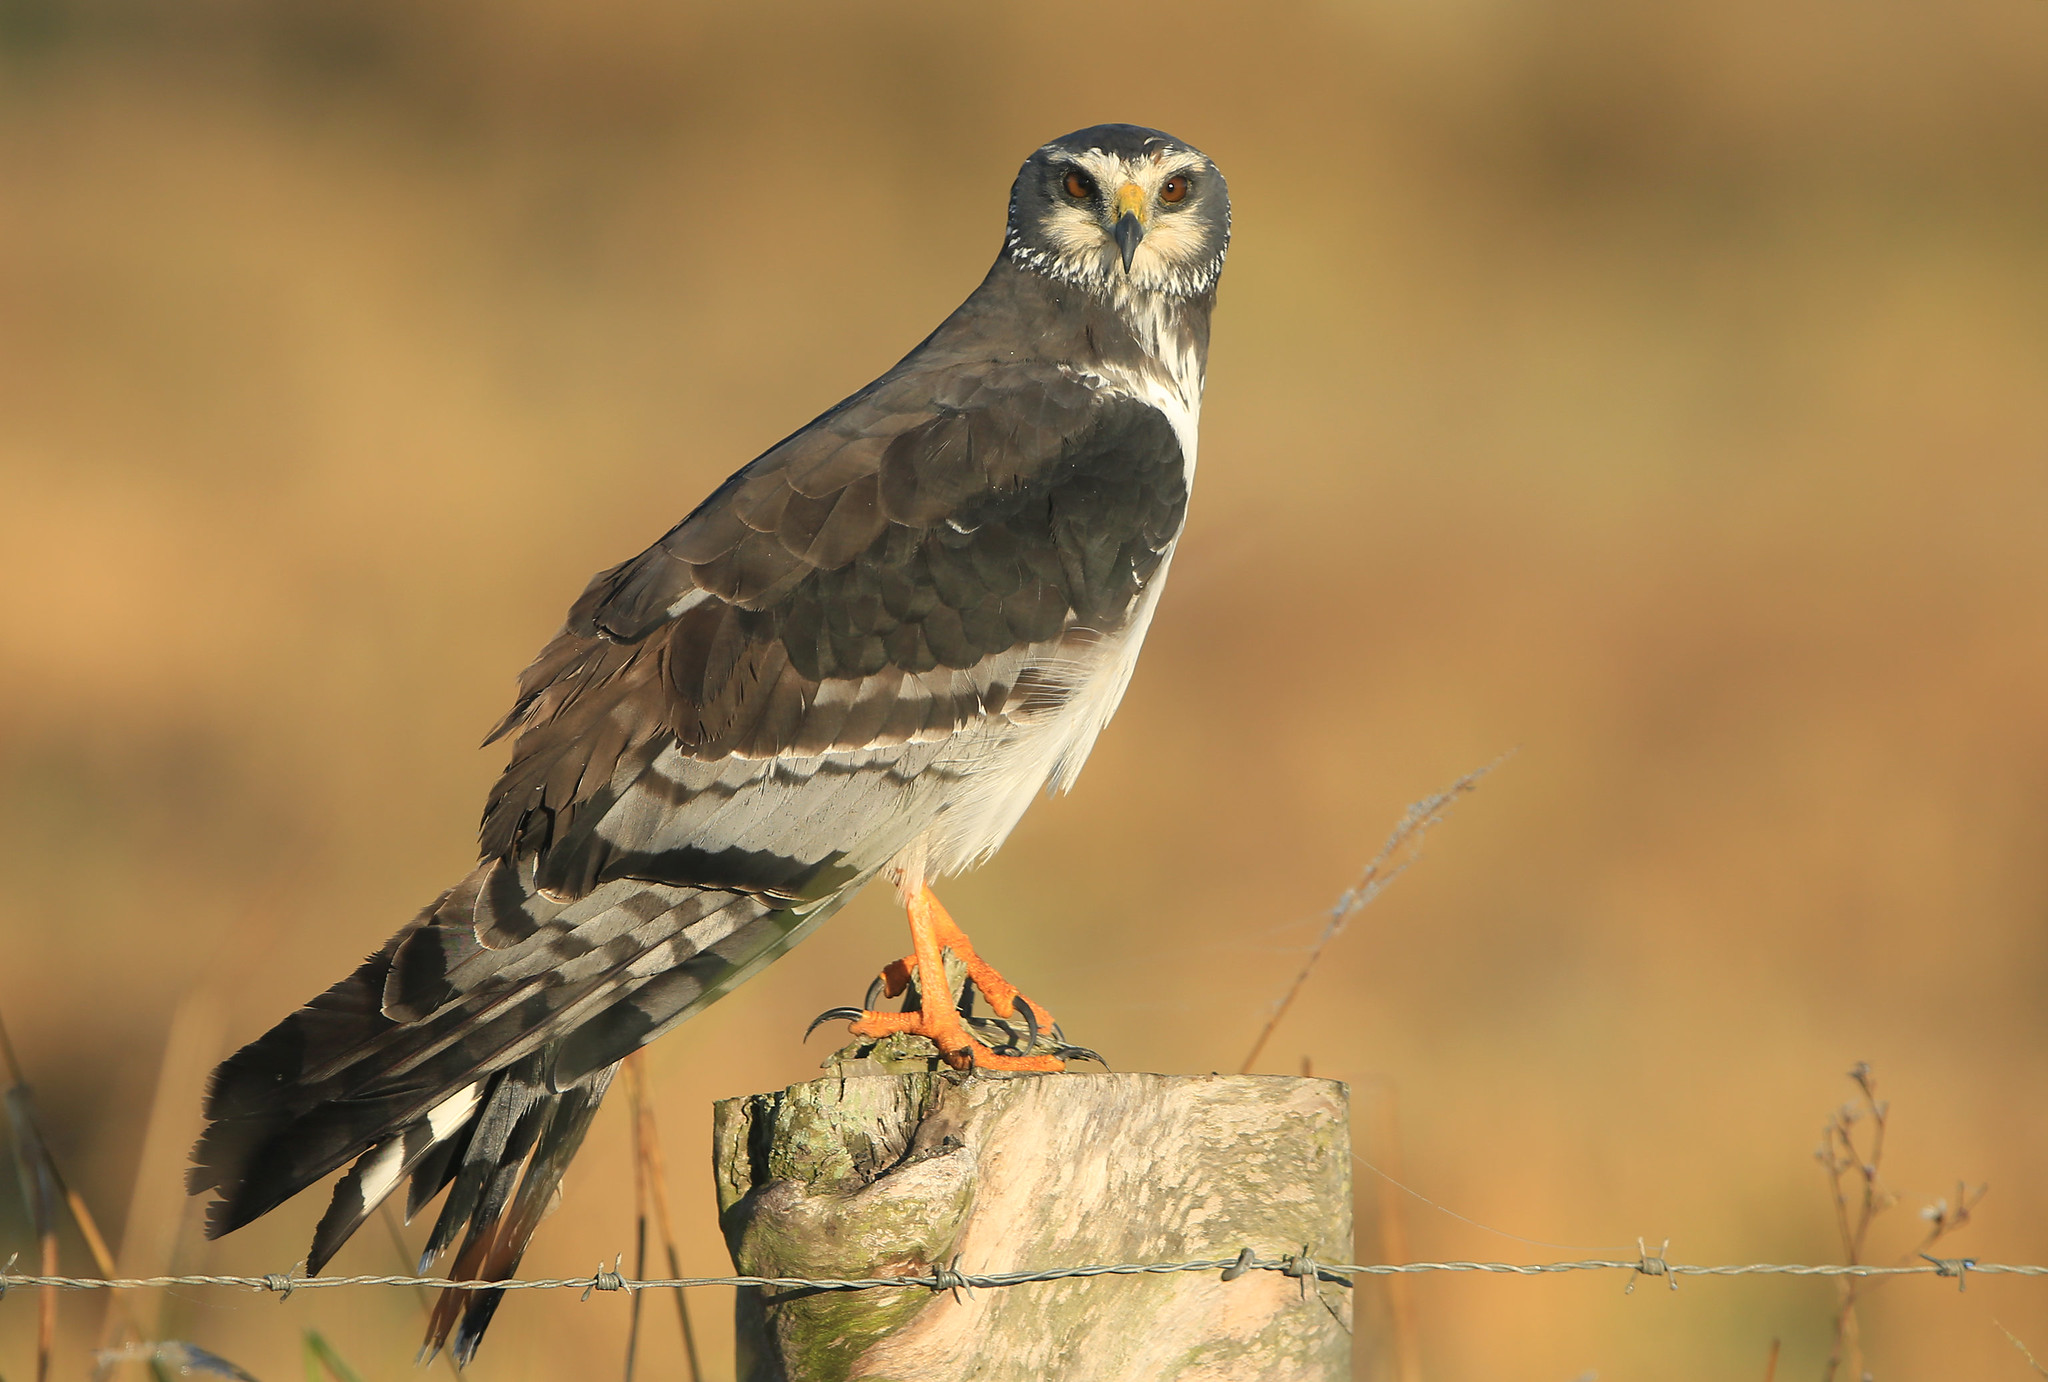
1023	1005
877	991
833	1015
1079	1053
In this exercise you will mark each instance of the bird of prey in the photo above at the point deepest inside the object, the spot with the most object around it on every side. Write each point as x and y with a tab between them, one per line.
865	654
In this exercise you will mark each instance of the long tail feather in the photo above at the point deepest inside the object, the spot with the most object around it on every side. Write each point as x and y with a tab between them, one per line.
378	1172
473	1069
497	1240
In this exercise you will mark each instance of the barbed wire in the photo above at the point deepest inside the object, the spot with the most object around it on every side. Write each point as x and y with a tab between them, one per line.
1302	1266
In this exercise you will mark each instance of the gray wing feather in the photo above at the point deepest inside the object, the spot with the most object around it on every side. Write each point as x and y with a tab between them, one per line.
733	731
881	580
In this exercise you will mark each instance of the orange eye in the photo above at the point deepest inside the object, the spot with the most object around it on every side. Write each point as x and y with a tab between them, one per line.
1175	189
1079	185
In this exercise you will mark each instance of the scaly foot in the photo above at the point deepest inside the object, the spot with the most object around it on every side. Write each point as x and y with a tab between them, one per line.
937	1018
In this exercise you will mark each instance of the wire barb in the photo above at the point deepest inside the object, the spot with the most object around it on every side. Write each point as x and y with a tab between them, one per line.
1651	1264
945	1276
608	1278
1302	1267
1953	1266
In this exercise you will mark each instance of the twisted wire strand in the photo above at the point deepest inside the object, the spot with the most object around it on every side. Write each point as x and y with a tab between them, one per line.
1297	1265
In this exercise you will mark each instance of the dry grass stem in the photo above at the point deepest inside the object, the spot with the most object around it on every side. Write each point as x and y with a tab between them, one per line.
651	1177
155	1204
1401	850
321	1357
43	1188
1854	1162
2025	1352
39	1191
634	1100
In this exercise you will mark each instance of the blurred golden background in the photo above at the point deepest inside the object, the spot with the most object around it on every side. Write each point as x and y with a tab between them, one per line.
1660	390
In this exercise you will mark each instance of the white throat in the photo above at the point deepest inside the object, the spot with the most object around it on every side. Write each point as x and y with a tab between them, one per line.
1169	375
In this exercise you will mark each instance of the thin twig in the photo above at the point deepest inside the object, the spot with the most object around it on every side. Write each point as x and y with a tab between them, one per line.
1402	849
33	1145
1844	1159
88	1227
634	1073
2025	1352
147	1231
39	1188
648	1138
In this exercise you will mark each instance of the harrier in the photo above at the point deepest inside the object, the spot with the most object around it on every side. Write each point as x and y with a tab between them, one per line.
865	654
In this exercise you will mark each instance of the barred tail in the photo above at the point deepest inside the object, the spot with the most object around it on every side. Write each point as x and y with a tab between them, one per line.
454	1065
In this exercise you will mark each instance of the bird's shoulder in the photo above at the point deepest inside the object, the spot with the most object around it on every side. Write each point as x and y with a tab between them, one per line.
914	451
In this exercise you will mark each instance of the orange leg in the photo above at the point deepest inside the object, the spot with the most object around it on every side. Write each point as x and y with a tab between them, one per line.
932	932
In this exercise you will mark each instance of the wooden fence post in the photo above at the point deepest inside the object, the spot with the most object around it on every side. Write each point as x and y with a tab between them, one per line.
891	1175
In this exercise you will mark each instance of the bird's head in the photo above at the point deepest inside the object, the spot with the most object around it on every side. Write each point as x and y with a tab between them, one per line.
1121	206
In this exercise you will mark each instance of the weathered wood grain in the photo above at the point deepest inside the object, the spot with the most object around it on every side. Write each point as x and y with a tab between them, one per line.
884	1175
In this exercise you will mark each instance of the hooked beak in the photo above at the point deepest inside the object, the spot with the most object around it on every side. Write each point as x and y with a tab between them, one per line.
1130	222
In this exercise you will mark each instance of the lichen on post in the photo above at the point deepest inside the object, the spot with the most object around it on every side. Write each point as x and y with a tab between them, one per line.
893	1175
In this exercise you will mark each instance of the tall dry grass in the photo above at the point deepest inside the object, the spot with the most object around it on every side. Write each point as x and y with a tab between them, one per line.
1657	388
